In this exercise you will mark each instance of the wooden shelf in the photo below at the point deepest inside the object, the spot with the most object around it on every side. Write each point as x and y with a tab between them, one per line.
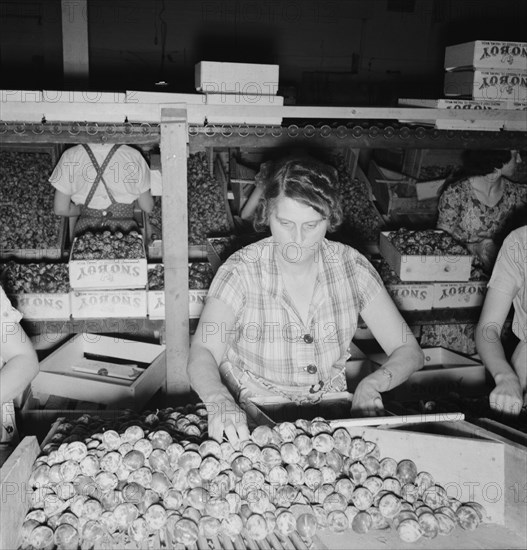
176	129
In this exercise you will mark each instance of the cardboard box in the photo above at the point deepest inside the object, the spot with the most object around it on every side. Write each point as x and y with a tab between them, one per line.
459	295
485	54
228	78
97	304
425	268
488	85
156	303
58	373
107	274
444	371
43	305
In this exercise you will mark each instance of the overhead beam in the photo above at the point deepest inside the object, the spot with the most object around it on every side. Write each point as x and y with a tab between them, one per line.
75	48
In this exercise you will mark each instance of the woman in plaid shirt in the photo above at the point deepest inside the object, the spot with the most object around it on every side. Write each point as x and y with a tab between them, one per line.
281	313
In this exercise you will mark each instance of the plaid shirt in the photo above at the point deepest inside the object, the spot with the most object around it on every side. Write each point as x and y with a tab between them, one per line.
268	338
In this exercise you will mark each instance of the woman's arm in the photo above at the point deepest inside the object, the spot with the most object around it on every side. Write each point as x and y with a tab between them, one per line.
206	352
397	340
63	206
146	201
507	395
21	362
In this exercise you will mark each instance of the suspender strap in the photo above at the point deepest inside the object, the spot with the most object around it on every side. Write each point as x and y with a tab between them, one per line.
100	172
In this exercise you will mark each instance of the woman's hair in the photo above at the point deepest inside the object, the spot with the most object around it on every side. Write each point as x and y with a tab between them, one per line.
307	181
483	162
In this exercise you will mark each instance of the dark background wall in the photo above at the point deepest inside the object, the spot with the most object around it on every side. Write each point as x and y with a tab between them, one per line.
333	52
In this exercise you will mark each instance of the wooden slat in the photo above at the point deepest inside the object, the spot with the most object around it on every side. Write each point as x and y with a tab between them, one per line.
397	420
197	114
175	251
14	475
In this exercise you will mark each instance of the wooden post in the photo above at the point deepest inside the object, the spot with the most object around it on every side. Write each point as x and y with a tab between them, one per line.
75	52
175	246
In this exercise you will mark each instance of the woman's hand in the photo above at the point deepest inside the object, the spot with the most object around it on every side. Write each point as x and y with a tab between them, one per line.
367	400
226	417
507	396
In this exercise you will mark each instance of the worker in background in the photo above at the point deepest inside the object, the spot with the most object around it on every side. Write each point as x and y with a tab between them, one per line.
507	286
101	183
478	209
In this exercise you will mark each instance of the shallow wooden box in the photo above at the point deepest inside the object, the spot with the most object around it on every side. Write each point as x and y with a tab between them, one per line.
481	466
56	376
448	267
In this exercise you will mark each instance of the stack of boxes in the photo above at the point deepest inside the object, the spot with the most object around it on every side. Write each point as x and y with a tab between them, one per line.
482	75
107	287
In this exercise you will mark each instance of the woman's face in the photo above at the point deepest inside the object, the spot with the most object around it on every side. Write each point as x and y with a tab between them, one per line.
297	229
508	170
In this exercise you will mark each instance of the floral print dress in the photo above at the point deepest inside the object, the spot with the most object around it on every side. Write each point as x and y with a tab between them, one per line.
469	220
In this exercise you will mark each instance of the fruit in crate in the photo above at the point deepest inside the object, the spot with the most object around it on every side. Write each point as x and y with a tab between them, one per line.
156	475
200	276
360	215
26	202
108	245
34	278
426	242
207	205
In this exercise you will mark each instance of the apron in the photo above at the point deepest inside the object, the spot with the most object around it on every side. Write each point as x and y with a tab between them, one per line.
116	217
245	386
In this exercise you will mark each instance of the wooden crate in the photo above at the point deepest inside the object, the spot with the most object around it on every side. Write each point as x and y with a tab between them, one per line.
43	305
53	253
100	304
485	54
107	274
57	375
431	164
412	297
396	193
459	295
487	84
156	303
425	268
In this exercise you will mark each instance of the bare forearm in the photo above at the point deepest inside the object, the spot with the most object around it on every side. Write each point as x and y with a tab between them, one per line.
401	364
16	375
204	374
490	349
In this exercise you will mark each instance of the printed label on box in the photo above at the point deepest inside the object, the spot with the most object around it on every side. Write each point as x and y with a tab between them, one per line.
43	305
108	303
156	303
469	294
411	297
89	274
